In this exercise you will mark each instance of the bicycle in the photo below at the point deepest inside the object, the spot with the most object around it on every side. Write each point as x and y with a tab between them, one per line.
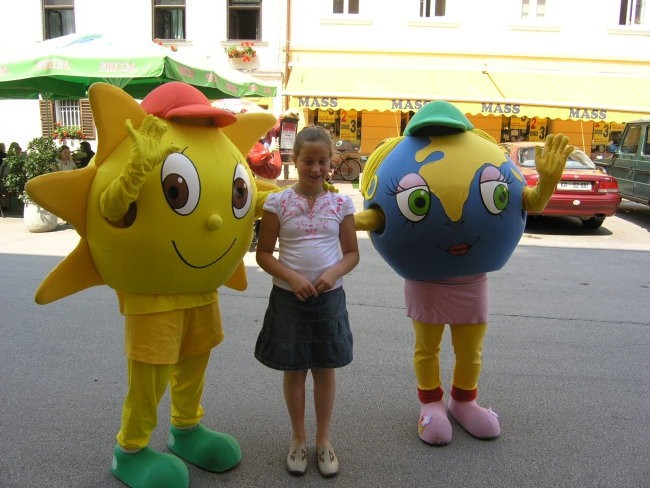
348	167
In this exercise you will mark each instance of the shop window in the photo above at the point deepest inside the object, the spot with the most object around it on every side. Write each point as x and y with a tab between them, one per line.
435	8
169	19
632	12
59	18
533	10
345	6
244	20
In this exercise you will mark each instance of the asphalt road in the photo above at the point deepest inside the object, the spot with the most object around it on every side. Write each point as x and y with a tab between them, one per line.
565	366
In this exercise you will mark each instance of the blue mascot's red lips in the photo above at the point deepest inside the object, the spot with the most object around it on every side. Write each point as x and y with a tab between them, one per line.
459	249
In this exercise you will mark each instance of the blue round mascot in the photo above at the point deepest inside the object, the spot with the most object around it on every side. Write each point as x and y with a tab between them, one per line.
444	206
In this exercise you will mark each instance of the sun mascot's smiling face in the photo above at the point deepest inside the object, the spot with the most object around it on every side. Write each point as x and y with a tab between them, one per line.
192	221
452	201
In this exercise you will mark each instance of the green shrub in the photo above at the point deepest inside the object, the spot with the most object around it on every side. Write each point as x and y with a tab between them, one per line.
41	156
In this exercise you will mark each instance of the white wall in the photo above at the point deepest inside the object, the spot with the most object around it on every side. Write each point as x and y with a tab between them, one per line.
206	32
490	31
572	28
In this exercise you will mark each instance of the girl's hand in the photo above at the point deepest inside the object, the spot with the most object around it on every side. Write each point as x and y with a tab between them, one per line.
325	281
302	288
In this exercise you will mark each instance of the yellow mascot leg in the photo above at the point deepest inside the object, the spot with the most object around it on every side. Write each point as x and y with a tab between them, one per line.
135	464
213	451
147	385
433	426
467	340
187	384
425	355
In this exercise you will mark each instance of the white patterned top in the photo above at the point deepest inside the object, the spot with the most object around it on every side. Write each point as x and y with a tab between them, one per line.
309	238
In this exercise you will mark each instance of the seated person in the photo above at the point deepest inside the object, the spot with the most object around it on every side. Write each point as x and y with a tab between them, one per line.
83	156
65	162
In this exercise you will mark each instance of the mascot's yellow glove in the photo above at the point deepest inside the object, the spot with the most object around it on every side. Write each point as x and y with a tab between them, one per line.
370	219
146	154
550	165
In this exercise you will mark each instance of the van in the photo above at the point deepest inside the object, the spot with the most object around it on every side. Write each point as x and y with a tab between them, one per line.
630	164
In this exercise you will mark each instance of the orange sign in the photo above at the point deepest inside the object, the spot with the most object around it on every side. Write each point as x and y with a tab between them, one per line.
520	123
601	134
537	129
326	116
349	125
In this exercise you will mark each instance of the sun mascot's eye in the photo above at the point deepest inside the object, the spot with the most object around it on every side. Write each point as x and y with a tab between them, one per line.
180	183
241	192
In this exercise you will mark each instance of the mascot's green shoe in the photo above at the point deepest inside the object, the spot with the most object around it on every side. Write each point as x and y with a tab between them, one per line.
147	468
212	451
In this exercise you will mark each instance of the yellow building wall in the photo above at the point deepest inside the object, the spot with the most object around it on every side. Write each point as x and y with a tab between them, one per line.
490	124
377	126
579	133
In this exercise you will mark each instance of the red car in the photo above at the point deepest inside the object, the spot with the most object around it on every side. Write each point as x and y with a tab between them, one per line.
584	191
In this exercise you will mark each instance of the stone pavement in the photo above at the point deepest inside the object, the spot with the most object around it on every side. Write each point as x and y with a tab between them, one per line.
565	366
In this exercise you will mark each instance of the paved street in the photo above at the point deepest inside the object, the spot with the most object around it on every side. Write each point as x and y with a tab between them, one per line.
565	366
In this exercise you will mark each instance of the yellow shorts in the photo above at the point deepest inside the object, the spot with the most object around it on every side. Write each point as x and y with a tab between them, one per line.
164	337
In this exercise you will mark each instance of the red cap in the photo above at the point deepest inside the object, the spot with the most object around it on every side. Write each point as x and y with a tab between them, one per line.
178	99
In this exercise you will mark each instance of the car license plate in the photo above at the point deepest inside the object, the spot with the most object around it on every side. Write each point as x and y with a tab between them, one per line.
574	185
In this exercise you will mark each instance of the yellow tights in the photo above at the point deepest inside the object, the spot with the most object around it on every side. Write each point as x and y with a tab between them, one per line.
467	341
147	385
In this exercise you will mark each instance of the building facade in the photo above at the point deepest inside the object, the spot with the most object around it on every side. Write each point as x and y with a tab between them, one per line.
519	69
200	30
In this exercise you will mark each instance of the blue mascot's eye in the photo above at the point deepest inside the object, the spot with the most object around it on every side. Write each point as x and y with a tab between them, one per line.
414	203
495	195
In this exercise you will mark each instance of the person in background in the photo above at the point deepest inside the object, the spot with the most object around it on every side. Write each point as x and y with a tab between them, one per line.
65	162
306	325
613	146
84	155
14	148
3	153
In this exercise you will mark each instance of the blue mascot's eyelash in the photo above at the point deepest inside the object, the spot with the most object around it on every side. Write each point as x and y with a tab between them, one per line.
392	188
406	221
508	179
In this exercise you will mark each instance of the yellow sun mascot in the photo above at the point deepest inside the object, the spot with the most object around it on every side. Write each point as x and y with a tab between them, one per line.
165	213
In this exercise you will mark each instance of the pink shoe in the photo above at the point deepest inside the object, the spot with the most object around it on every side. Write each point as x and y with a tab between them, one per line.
482	423
434	426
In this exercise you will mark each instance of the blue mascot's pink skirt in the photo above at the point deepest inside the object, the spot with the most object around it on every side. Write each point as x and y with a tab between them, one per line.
460	300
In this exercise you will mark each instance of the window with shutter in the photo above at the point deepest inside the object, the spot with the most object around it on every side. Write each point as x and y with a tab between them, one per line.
87	121
49	118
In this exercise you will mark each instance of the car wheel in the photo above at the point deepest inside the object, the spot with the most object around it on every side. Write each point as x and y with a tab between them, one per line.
593	222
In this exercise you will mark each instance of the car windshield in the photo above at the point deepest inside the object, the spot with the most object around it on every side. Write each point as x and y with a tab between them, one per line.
577	159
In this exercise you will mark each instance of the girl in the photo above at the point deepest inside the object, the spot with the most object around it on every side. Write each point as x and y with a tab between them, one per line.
306	323
65	162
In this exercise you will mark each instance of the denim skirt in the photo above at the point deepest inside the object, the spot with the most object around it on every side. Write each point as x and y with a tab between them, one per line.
303	335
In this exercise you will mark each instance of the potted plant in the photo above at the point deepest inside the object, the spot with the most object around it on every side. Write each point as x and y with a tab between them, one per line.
242	55
65	133
40	158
